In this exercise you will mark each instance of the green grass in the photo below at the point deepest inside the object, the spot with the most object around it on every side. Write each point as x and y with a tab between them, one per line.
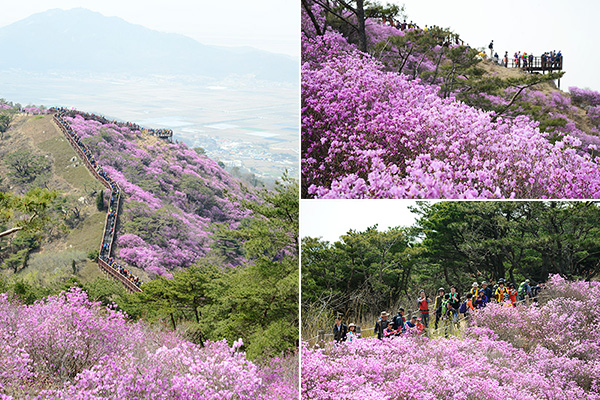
63	153
88	234
90	272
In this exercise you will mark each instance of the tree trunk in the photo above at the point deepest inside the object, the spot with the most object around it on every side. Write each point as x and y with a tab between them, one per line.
362	32
312	17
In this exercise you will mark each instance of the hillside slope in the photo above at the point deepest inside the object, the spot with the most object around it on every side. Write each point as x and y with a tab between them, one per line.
417	117
38	135
173	195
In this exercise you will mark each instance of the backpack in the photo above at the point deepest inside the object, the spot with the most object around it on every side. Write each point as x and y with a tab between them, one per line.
445	306
398	321
463	307
522	289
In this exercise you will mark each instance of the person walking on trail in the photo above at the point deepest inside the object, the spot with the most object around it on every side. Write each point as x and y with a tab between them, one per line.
423	304
524	290
438	306
381	324
339	330
399	320
446	313
454	302
491	47
351	336
506	59
501	291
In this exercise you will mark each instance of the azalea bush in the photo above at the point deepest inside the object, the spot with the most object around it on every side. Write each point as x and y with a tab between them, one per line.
68	347
566	323
584	96
370	133
527	352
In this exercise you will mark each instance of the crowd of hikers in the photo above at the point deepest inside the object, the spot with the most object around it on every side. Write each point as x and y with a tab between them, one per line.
549	60
447	308
113	207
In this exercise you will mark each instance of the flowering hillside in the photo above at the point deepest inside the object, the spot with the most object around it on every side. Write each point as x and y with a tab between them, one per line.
416	117
546	352
68	347
172	195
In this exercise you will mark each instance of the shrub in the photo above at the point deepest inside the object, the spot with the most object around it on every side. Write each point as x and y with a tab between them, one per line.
68	347
550	352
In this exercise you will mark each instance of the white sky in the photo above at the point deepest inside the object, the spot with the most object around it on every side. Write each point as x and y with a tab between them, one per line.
329	219
272	25
531	26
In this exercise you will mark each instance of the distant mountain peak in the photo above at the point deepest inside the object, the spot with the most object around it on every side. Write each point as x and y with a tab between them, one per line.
93	43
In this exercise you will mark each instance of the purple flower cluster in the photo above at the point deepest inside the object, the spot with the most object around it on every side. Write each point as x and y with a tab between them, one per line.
525	352
585	96
34	110
372	134
68	347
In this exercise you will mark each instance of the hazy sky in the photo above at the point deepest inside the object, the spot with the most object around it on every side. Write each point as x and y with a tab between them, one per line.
272	25
330	219
531	26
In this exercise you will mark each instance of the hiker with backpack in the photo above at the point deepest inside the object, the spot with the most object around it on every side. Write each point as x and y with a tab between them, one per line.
454	302
438	306
423	304
524	290
491	47
399	320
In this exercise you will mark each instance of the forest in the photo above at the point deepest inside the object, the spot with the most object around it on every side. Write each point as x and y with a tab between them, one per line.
452	243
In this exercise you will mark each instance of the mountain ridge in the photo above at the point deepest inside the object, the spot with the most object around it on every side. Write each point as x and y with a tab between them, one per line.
84	40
